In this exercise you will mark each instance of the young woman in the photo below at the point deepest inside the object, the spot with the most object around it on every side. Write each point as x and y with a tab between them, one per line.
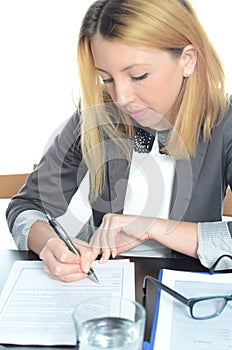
153	131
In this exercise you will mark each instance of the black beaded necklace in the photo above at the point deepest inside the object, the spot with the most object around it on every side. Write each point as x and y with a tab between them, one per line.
143	141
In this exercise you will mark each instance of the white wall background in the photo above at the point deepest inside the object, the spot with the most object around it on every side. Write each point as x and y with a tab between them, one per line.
38	69
37	75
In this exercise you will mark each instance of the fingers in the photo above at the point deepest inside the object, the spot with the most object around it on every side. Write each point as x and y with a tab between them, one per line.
61	264
104	239
118	233
99	247
87	259
104	233
69	277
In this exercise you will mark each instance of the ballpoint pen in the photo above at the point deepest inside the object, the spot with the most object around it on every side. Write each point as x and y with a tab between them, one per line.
65	238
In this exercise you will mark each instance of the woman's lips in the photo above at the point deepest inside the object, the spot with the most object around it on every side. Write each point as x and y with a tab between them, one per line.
138	114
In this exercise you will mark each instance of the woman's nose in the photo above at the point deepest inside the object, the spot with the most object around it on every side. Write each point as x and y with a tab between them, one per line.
124	94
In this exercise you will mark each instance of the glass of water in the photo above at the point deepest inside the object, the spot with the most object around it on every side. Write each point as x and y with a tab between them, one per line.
109	323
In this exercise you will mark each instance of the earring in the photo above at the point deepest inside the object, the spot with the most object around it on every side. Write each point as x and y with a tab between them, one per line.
188	73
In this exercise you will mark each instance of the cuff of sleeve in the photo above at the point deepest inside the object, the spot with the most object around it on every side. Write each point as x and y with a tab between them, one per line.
214	240
22	227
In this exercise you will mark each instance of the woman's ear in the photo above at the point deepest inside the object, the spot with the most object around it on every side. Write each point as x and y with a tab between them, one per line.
188	60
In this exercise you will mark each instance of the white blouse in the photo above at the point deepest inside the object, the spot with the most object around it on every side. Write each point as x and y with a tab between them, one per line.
149	193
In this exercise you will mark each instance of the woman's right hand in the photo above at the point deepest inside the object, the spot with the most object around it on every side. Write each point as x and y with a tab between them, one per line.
58	261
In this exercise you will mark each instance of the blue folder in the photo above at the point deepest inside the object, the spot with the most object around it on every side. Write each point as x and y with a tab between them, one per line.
149	345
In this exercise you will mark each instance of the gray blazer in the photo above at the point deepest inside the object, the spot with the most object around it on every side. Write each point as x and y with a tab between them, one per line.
199	186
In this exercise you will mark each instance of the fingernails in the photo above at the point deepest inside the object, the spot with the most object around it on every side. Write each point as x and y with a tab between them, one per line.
86	267
102	260
114	254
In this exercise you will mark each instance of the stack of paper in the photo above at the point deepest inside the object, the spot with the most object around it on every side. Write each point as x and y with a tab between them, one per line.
36	310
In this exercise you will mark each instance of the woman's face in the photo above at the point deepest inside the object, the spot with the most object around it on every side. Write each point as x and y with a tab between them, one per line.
144	82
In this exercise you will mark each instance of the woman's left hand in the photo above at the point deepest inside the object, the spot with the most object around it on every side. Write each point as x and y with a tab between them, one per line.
118	233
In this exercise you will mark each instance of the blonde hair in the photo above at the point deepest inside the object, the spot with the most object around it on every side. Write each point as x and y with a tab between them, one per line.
169	25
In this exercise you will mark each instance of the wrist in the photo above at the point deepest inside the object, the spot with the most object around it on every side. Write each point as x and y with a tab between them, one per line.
150	232
40	232
156	227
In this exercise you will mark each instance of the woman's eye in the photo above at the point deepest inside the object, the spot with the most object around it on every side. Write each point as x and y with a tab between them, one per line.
108	80
141	77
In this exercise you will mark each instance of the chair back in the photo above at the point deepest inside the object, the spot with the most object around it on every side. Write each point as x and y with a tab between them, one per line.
11	184
227	209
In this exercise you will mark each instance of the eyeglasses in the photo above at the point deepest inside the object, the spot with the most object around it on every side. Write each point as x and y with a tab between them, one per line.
201	308
213	267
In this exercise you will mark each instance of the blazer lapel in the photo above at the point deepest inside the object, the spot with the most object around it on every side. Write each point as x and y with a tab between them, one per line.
186	175
118	173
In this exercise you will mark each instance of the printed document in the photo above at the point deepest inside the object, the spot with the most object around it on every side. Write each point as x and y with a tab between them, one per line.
177	330
36	310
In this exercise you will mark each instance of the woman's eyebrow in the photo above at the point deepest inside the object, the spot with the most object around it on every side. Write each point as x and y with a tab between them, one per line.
101	70
126	68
